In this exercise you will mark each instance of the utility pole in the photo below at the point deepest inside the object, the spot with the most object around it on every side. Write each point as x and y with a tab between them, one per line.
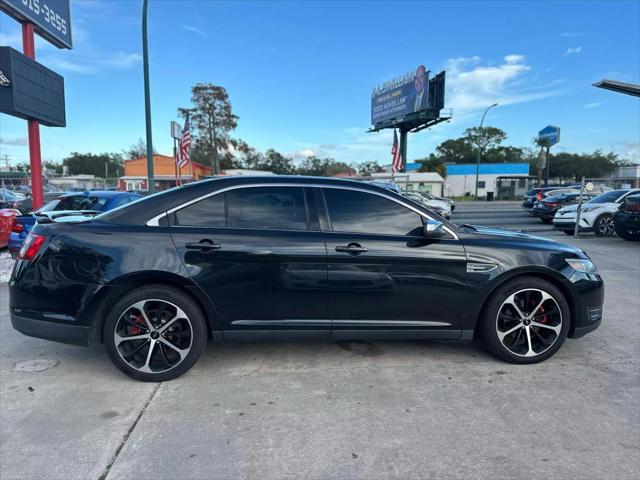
475	197
147	98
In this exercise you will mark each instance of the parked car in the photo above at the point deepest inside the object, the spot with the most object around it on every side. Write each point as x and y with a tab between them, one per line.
546	209
9	198
440	207
431	196
87	203
251	258
626	220
6	221
596	215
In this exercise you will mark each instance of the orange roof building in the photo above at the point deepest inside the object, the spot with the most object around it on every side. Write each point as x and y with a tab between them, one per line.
164	172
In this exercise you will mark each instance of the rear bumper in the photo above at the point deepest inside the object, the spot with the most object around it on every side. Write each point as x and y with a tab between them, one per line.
48	330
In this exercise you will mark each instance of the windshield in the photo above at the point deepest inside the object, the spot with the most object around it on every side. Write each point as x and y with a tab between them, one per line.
608	197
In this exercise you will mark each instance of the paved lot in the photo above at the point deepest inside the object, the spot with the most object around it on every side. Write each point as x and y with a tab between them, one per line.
353	410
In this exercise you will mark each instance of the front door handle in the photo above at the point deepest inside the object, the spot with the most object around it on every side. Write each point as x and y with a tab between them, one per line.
204	245
351	249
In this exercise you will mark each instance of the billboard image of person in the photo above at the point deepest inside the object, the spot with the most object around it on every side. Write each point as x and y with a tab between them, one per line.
419	98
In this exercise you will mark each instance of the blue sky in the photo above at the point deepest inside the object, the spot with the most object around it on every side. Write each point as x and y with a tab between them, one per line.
300	74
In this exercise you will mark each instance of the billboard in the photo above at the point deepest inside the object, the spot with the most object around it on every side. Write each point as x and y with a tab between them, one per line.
401	96
51	18
30	90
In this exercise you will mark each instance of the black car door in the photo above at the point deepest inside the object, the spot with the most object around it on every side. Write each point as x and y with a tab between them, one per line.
258	253
386	280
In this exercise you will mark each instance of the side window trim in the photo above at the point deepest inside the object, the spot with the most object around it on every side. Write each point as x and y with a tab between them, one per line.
153	222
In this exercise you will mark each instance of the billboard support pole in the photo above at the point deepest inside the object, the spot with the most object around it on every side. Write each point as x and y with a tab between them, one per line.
147	98
403	149
33	127
546	172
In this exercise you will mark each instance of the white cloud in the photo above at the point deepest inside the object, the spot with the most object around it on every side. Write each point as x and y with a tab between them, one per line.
592	105
628	151
571	51
93	64
515	58
571	34
17	141
472	86
194	29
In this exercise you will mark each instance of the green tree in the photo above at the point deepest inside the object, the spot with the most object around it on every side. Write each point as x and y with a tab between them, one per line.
55	167
94	164
137	150
212	120
433	164
484	138
455	150
369	167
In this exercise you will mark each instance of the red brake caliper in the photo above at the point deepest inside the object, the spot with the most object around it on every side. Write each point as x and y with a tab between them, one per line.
140	321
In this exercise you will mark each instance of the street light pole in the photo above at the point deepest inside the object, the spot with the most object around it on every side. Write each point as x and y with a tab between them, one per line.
147	98
475	197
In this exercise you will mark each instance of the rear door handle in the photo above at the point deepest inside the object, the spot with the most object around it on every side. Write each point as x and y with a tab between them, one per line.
205	246
351	249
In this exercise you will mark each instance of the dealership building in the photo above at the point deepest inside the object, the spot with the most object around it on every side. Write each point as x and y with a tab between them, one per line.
413	180
502	181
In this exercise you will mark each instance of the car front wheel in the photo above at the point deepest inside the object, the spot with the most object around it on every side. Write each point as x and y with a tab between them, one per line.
604	226
525	321
155	333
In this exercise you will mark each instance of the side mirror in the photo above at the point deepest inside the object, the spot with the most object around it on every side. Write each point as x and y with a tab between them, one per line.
433	229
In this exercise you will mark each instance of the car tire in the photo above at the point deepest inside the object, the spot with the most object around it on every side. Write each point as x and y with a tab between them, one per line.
172	327
628	235
568	232
603	226
546	220
506	332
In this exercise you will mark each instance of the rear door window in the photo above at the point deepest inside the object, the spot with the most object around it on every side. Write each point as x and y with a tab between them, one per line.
263	208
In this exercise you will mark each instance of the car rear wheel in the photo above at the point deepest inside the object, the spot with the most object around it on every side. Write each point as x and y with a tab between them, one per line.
604	226
525	321
568	232
546	219
155	333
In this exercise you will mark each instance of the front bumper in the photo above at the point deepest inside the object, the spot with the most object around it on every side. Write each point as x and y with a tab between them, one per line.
588	303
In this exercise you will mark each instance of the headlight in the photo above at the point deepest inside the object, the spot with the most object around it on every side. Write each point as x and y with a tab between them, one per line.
588	209
582	265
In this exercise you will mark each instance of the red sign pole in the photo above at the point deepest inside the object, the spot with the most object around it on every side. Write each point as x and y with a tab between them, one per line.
35	159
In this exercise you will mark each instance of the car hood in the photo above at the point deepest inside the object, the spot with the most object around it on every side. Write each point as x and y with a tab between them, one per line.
503	234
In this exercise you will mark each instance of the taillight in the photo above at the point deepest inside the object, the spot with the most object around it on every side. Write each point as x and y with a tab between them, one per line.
16	227
539	196
551	204
31	246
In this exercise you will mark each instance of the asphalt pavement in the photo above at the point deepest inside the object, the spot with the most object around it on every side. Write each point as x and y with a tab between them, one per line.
338	411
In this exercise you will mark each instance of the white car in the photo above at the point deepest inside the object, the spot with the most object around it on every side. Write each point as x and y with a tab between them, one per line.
438	206
596	214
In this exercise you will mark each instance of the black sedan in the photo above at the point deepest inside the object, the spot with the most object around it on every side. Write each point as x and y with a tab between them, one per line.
546	209
627	219
272	258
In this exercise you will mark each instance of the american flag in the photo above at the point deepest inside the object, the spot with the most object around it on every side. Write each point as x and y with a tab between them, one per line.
185	145
396	163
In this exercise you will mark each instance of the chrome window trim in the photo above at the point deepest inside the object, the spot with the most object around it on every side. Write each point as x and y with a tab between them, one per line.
154	222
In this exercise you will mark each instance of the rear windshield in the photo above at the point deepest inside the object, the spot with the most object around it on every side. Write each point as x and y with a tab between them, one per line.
79	202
